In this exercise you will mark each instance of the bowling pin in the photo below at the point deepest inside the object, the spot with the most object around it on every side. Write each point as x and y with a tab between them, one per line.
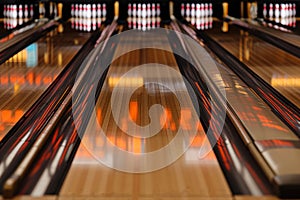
264	10
206	9
104	10
282	10
76	11
277	12
202	12
99	10
134	10
139	11
187	10
210	7
294	10
158	9
31	10
290	12
148	10
80	14
4	11
129	11
72	10
84	11
144	12
182	10
197	10
94	11
271	11
15	15
192	10
89	11
153	10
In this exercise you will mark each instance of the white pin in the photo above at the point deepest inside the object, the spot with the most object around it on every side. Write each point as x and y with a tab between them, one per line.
76	11
282	10
210	6
182	10
80	11
144	11
148	10
188	11
129	12
202	10
153	10
94	11
206	10
134	10
99	10
193	10
197	10
290	10
89	11
104	10
294	10
25	11
20	11
72	10
277	13
15	12
139	11
8	8
265	10
31	10
158	9
4	11
271	11
84	11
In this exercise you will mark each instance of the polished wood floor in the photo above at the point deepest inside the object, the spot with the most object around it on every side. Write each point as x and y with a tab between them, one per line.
278	68
188	177
23	79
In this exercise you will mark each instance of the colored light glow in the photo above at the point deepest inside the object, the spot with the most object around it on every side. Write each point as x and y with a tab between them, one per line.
285	82
125	82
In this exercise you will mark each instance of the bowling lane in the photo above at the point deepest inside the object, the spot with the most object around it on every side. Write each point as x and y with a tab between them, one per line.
278	68
187	177
290	37
26	75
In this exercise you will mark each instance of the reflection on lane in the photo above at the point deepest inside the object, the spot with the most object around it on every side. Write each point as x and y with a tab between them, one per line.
276	67
26	75
188	176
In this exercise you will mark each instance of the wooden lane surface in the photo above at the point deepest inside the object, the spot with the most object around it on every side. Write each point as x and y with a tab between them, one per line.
293	38
276	67
21	86
188	177
126	198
